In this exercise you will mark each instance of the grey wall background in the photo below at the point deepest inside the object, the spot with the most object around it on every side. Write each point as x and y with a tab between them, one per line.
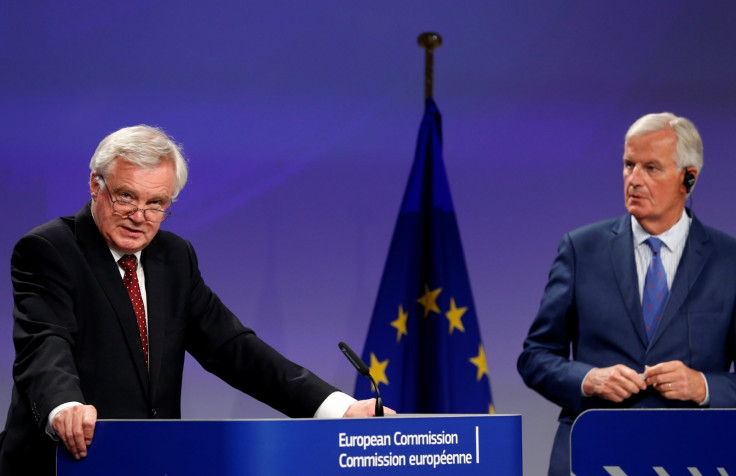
300	121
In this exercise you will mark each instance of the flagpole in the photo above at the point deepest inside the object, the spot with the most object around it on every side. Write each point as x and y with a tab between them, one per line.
429	41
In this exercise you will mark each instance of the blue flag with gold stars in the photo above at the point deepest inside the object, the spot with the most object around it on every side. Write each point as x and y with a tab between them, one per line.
423	345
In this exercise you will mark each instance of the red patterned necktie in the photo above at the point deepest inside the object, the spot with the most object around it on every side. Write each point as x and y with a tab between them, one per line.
128	263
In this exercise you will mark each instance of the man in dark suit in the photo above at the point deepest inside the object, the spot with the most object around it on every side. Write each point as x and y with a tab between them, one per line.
94	340
626	353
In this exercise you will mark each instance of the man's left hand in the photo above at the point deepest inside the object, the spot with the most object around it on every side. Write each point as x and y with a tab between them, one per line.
676	381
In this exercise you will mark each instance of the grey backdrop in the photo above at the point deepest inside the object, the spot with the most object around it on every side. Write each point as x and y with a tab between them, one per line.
300	119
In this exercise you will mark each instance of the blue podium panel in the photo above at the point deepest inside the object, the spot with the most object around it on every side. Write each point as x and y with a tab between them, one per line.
438	445
656	442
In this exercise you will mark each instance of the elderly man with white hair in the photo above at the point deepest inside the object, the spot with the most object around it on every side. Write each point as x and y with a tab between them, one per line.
639	311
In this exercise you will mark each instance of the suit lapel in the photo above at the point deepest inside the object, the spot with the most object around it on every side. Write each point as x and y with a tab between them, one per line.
104	268
624	268
154	267
694	258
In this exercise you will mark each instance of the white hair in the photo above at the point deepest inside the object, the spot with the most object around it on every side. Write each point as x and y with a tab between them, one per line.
144	146
689	148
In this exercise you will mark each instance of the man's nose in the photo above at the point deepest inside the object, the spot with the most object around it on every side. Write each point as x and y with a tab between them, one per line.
635	174
138	216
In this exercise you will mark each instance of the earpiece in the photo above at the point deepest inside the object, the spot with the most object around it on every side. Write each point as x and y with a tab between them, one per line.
689	181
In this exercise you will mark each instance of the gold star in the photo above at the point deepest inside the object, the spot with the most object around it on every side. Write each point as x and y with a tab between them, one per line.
378	370
400	324
491	410
480	362
429	300
455	316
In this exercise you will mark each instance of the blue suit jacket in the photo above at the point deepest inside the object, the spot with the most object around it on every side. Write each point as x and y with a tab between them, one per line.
592	310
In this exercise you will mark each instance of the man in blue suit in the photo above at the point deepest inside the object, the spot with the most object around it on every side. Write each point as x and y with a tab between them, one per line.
596	307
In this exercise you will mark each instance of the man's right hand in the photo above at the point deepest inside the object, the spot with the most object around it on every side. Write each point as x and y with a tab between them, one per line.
616	383
76	427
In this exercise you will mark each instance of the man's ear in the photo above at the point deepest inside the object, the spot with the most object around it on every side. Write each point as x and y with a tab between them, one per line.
94	185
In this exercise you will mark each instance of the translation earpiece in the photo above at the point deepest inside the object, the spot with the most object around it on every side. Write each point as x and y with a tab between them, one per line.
689	181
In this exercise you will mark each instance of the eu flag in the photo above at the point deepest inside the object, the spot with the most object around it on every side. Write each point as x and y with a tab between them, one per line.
423	345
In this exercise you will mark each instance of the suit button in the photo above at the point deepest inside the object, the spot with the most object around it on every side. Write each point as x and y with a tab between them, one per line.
154	412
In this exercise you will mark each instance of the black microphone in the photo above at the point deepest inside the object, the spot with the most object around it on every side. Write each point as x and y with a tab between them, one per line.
364	371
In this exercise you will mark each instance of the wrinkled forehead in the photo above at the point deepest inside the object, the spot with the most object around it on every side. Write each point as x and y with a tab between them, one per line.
158	179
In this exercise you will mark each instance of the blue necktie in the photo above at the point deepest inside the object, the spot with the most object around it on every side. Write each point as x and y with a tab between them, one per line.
655	288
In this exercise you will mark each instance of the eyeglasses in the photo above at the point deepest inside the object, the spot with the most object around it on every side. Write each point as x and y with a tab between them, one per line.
127	209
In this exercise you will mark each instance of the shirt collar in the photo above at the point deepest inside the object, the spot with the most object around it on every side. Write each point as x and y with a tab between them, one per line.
117	255
672	238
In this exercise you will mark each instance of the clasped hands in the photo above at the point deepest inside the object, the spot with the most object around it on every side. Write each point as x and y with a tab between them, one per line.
673	380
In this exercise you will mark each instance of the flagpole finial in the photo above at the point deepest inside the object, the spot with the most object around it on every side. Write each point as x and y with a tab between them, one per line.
429	41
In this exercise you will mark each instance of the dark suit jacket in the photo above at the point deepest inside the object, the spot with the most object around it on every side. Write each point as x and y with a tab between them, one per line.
76	339
591	308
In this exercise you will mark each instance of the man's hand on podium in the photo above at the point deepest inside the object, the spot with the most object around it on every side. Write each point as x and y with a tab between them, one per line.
365	408
76	427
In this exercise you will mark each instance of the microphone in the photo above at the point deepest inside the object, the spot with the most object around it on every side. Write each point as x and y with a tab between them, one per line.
364	371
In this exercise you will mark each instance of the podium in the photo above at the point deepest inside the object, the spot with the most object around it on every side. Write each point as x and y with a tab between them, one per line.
662	442
437	445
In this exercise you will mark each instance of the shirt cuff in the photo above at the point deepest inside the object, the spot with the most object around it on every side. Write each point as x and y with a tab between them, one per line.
50	429
582	392
334	406
705	402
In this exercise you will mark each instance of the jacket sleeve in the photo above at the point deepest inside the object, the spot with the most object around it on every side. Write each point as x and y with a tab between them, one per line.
45	327
545	363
